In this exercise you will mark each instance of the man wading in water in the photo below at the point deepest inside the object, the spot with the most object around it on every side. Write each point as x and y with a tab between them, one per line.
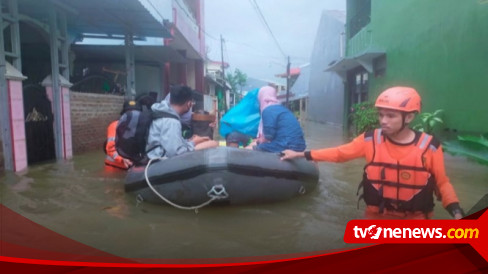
405	167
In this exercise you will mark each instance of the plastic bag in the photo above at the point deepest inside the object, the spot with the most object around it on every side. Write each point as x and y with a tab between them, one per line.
243	117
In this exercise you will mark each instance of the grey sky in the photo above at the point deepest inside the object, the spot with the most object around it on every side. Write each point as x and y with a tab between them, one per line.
248	45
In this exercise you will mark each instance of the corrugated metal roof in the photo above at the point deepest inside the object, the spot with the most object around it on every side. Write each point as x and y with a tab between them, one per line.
365	59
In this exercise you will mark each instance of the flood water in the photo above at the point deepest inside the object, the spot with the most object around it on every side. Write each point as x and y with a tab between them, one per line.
81	200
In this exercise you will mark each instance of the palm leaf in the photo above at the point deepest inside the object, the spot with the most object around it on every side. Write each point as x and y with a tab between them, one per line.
481	140
469	149
438	112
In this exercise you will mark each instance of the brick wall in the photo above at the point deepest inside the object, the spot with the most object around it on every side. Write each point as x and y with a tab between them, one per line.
90	116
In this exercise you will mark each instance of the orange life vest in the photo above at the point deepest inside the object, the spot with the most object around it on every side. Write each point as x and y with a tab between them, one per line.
113	158
398	185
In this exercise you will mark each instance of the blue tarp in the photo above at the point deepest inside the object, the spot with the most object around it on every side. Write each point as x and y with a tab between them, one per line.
243	117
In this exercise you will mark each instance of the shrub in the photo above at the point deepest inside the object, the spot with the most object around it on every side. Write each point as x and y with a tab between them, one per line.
427	122
364	117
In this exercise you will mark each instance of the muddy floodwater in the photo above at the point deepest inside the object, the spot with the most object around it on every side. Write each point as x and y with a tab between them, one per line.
81	200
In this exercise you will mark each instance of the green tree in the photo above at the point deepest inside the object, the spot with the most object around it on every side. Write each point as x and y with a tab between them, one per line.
237	80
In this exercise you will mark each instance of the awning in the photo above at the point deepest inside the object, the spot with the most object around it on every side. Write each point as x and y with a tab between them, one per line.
365	59
102	17
216	82
149	54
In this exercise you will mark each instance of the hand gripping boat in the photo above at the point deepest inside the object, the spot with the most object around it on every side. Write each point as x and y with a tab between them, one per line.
222	175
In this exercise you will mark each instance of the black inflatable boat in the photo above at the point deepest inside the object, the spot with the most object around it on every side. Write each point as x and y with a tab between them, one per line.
222	175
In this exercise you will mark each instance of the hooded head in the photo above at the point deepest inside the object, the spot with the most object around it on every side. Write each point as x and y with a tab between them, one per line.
267	97
146	100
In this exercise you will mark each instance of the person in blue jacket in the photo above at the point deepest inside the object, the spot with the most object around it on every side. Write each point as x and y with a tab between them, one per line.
279	129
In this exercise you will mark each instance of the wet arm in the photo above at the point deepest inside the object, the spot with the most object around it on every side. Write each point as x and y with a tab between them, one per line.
445	190
343	153
110	148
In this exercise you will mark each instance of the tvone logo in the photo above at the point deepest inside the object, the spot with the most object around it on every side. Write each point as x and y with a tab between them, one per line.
374	232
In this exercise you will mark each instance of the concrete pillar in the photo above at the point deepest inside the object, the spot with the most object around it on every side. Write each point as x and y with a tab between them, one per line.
130	66
199	76
17	120
66	139
167	77
182	74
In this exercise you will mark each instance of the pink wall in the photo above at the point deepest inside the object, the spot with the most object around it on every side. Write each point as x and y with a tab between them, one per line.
192	33
66	120
66	113
17	124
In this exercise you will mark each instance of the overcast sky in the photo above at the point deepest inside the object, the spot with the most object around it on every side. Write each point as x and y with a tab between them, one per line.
248	45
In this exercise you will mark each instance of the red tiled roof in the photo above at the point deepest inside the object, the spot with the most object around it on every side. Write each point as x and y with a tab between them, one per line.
293	72
226	65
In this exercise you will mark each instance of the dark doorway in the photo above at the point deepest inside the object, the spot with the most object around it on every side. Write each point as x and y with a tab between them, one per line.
39	132
357	90
358	86
38	114
35	53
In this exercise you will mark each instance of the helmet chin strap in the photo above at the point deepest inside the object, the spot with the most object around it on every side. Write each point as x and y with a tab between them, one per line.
404	115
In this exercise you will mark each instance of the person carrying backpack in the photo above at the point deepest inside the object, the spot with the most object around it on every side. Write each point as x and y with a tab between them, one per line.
112	157
131	132
164	138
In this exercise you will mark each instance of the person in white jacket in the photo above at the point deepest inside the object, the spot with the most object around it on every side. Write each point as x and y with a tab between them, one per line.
165	137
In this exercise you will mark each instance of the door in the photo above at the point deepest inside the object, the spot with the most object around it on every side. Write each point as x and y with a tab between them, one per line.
357	91
39	131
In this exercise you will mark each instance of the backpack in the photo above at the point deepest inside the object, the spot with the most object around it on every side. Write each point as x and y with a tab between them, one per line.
132	132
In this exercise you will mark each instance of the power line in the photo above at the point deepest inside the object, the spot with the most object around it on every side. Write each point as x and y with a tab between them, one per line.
263	20
155	9
209	35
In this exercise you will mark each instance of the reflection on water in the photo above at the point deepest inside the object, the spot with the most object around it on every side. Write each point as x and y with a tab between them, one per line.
84	201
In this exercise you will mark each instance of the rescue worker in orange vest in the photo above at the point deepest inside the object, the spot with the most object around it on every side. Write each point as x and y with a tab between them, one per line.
404	169
112	158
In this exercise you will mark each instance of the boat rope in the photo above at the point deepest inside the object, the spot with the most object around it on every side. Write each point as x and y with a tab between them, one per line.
215	193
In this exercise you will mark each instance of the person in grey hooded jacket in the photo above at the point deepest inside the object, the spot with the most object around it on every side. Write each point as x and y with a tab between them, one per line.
165	137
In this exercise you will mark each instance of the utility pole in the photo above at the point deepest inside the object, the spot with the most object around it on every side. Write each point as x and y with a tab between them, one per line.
223	72
288	82
222	57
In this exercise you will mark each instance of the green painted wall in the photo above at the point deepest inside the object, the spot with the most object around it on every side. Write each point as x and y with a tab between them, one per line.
438	47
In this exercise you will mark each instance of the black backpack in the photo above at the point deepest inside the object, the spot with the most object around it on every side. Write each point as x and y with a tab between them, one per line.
132	132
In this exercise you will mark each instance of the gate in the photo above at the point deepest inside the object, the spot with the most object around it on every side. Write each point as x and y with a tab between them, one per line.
39	131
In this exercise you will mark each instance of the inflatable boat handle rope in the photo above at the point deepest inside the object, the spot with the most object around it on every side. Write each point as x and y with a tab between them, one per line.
217	192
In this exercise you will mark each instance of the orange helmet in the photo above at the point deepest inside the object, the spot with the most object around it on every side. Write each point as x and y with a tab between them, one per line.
404	99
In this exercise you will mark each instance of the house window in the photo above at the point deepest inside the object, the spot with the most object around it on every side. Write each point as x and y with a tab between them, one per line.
379	66
360	15
358	86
